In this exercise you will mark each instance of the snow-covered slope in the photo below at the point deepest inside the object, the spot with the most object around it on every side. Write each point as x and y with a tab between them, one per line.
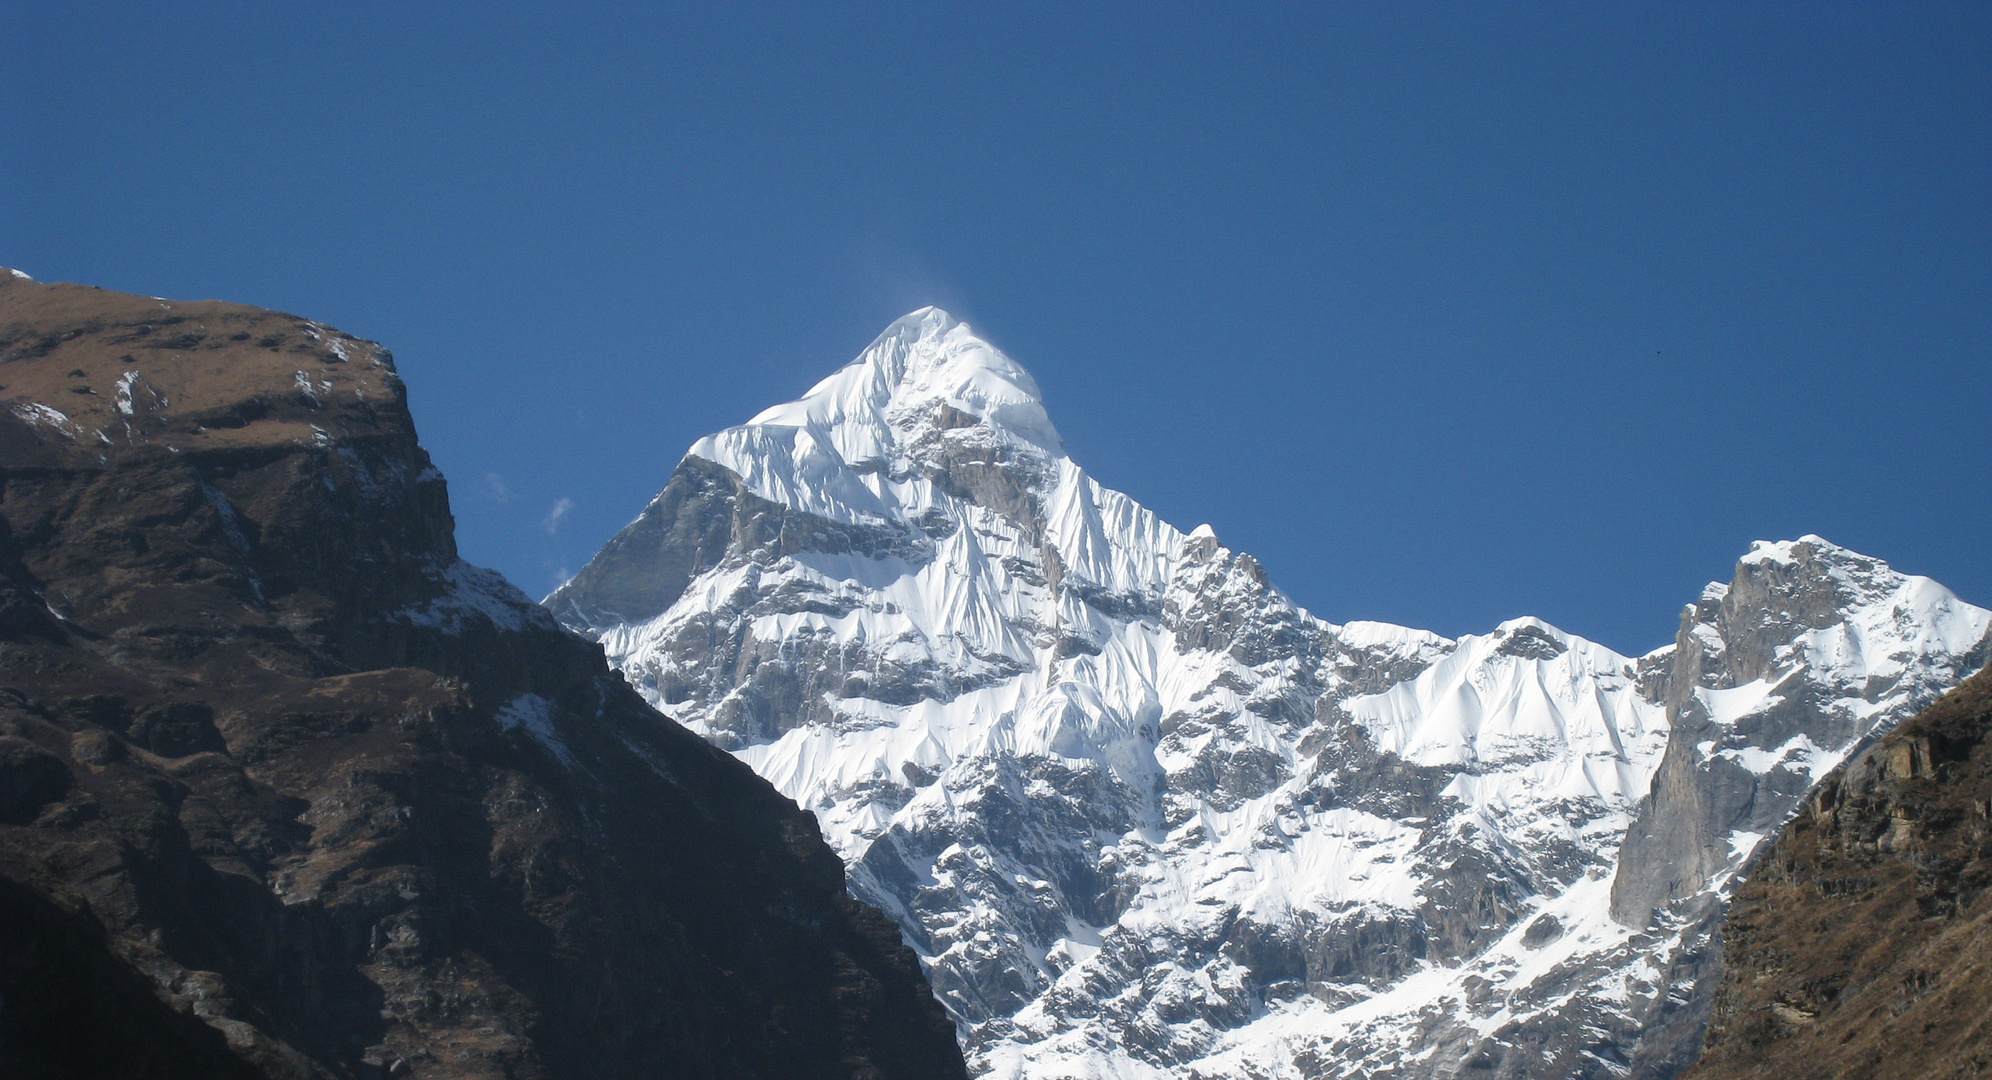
1143	816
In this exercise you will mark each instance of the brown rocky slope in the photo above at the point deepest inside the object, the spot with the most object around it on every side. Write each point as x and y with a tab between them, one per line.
1861	946
287	790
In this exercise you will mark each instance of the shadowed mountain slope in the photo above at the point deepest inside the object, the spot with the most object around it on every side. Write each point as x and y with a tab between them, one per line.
289	790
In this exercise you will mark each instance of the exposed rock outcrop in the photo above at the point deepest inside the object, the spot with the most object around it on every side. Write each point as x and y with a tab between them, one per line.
288	790
1860	948
1773	679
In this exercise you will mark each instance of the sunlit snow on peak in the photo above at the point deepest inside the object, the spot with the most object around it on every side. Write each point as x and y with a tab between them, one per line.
848	450
924	358
1141	815
1785	551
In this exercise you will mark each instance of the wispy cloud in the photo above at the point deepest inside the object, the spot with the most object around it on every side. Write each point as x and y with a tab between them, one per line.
494	486
560	508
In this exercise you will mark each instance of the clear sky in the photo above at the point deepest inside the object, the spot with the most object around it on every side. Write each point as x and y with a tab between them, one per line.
1448	313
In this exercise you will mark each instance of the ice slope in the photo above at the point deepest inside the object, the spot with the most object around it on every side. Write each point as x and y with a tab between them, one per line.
1141	815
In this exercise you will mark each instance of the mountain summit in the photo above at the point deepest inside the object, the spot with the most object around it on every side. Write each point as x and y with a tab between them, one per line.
924	359
925	375
1142	816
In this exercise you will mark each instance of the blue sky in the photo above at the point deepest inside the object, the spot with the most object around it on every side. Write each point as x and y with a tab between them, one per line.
1449	313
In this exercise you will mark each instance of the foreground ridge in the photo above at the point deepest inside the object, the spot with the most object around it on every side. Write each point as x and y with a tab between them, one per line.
289	790
1860	947
1142	816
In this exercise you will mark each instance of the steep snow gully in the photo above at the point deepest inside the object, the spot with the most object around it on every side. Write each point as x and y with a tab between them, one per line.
1141	816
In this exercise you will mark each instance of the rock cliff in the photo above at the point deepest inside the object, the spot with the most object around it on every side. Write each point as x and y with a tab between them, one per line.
1861	945
289	790
1773	680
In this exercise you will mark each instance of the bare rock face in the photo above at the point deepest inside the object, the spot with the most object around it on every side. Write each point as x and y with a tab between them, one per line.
288	790
1773	680
1754	631
1861	946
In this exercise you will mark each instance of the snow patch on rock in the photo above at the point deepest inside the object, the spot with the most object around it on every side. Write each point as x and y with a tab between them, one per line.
533	715
472	595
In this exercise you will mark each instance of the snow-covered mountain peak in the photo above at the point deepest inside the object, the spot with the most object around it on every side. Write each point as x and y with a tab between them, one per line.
1144	817
1526	693
926	355
863	445
1792	551
926	358
1773	679
1810	601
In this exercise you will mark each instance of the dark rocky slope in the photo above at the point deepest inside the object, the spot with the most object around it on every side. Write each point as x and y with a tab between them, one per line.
288	790
1861	946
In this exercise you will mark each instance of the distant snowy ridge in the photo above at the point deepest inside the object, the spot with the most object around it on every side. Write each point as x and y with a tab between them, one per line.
1143	816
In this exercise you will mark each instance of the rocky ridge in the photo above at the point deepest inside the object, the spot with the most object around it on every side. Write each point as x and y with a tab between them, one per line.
1142	816
1861	945
289	790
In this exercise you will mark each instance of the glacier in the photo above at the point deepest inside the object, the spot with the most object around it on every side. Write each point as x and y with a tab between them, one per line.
1142	816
